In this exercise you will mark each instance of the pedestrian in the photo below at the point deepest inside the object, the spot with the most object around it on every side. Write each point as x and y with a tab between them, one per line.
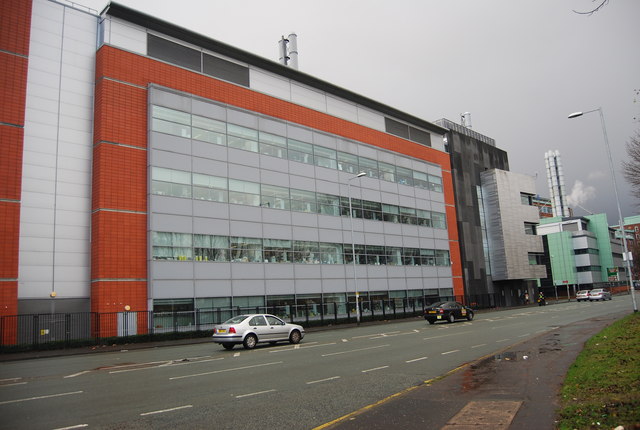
526	298
541	300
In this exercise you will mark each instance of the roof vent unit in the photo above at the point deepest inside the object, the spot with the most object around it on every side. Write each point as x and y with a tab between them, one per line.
465	119
288	51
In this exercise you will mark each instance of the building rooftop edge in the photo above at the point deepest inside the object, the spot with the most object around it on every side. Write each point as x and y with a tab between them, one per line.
128	14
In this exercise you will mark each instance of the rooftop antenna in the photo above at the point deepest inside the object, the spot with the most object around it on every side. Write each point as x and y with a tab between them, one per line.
288	51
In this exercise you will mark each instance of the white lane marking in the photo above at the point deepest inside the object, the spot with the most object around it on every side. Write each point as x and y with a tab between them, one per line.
374	369
7	402
449	352
79	426
416	359
166	410
478	346
77	374
225	370
353	350
237	354
10	380
447	335
375	334
254	394
323	380
305	346
398	334
13	385
165	364
524	335
502	340
345	340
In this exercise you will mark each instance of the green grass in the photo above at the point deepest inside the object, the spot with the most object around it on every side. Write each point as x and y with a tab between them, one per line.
602	387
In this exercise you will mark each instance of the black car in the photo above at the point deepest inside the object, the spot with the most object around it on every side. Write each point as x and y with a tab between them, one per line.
447	311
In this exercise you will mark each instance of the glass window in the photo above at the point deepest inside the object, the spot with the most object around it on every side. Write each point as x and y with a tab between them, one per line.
423	217
530	228
439	220
376	255
408	215
171	115
211	248
303	201
209	130
244	192
435	183
370	166
428	257
442	257
331	253
172	52
325	157
306	252
212	188
420	180
172	128
328	204
411	257
390	213
526	199
246	249
258	320
300	151
404	176
535	258
169	182
394	256
387	171
348	162
171	246
242	137
208	124
372	210
273	145
274	197
277	251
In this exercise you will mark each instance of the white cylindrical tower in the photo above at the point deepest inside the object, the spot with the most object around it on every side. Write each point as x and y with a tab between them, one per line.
555	179
293	50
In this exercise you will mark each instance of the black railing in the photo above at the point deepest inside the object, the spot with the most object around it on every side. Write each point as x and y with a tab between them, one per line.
52	331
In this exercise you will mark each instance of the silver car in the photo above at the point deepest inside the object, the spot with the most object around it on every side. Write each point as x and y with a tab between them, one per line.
582	295
599	294
251	329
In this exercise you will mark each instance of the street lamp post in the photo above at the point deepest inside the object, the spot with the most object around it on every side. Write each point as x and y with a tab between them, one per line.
615	189
353	247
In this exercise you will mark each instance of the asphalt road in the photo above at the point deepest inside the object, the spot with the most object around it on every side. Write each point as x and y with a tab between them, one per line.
330	374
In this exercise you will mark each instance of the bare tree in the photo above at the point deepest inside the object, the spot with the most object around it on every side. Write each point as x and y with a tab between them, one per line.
631	166
594	10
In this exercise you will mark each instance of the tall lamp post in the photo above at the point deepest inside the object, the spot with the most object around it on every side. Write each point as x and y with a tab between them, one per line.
615	189
353	247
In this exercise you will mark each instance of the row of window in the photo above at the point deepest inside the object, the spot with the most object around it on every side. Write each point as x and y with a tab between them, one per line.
587	251
589	268
204	247
178	183
536	258
183	124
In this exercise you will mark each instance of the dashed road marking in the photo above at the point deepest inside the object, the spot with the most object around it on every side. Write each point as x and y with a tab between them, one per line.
162	411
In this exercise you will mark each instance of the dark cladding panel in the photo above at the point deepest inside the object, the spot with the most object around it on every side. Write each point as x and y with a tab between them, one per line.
226	70
419	136
174	53
397	128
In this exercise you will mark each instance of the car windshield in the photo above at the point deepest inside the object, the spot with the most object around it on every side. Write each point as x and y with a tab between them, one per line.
236	320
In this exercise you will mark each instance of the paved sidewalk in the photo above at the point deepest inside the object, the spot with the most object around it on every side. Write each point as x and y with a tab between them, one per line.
515	389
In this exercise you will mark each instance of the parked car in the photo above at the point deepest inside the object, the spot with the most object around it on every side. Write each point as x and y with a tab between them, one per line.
447	311
599	294
249	330
582	295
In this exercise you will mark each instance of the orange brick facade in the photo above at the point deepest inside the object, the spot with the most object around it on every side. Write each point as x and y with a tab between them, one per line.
15	19
119	248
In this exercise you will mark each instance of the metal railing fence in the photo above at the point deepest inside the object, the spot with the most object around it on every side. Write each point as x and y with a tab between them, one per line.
52	331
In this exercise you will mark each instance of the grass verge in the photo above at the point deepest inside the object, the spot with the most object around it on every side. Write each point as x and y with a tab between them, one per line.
602	387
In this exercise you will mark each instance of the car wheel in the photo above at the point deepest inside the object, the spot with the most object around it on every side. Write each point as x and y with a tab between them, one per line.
451	318
432	321
469	316
228	346
250	341
295	337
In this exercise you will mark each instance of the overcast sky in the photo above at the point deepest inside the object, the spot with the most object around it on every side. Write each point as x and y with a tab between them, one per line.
519	67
